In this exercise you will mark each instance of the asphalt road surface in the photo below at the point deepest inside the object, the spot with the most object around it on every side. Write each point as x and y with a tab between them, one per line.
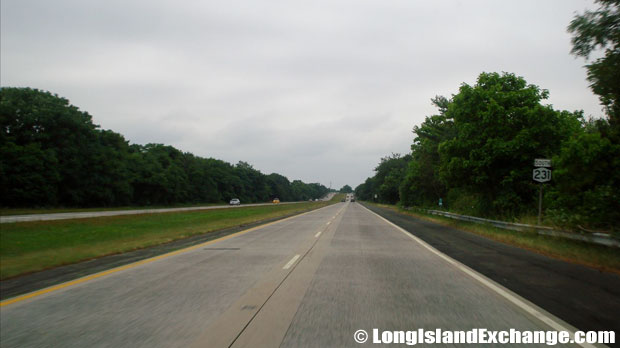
92	214
312	280
584	297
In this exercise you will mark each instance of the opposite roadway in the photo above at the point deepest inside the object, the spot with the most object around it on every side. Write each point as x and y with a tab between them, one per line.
311	280
91	214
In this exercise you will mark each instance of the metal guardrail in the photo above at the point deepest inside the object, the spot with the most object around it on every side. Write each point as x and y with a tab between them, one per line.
594	238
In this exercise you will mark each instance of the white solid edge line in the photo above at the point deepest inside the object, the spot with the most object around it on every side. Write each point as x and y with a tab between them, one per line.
317	234
290	263
488	283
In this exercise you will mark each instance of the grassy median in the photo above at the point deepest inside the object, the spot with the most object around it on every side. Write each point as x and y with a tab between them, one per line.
592	255
32	246
30	211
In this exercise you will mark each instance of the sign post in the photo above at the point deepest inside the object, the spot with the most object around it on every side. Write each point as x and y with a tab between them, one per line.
541	174
539	203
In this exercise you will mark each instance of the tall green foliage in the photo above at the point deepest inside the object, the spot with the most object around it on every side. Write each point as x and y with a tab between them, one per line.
51	154
588	181
500	128
279	187
477	153
366	191
28	174
47	128
586	189
346	189
385	184
600	30
421	185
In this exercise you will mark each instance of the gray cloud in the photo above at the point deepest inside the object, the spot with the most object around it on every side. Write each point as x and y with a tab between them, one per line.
315	90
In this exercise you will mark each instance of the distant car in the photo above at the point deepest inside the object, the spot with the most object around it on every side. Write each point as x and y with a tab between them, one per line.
352	199
235	201
276	200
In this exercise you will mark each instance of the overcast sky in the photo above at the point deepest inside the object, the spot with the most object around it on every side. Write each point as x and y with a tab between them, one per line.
313	90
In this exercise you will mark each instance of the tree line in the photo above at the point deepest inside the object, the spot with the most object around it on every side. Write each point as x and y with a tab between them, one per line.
476	154
51	154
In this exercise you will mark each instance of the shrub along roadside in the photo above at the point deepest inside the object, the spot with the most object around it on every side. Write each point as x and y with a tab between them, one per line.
33	246
477	156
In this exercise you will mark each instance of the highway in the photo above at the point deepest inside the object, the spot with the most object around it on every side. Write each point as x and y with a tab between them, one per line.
311	280
92	214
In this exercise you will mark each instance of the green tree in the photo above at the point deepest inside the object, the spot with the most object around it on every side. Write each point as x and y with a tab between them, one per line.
346	189
108	167
66	137
600	30
279	187
387	180
302	191
500	127
202	183
51	153
254	187
421	185
367	190
587	182
28	176
317	190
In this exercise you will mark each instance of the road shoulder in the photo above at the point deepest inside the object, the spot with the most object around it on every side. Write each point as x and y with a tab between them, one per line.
43	279
585	298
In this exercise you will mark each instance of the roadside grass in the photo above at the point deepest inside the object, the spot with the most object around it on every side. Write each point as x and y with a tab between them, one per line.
27	247
595	256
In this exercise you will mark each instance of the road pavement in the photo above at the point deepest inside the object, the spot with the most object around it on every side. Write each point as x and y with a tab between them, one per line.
308	281
92	214
583	296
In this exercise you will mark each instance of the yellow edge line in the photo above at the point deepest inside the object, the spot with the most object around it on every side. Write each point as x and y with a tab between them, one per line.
138	263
